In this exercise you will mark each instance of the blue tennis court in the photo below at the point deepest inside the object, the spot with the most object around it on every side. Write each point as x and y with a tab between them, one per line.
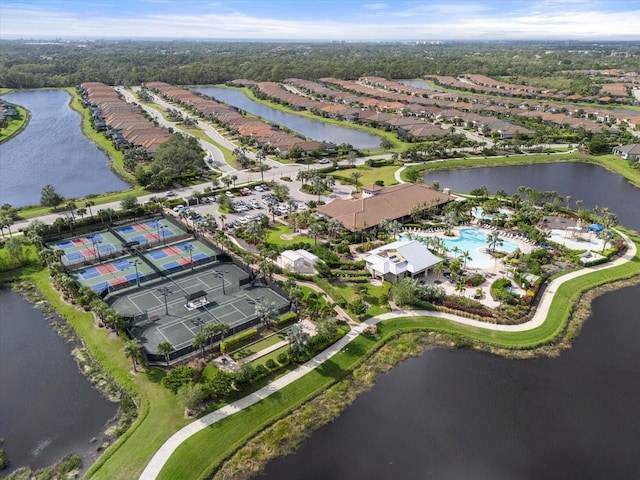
98	237
157	254
90	273
131	277
122	264
74	256
100	287
127	229
170	265
200	256
107	248
64	244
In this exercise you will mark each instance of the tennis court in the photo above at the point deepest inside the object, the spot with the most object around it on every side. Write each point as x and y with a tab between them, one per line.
124	272
175	258
88	248
152	231
161	309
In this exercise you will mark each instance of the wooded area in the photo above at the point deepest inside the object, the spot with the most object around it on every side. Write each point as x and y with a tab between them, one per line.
25	64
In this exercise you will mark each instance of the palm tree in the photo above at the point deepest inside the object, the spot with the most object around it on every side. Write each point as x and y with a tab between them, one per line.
606	235
494	240
460	288
356	178
165	348
234	178
133	350
393	227
88	204
71	206
456	250
227	181
298	340
265	311
465	256
200	341
315	230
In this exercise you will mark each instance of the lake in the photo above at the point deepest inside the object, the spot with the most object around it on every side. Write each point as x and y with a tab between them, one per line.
47	408
461	414
313	129
51	150
582	181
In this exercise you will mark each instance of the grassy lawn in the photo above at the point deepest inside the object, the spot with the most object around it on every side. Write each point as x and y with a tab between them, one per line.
15	126
256	347
610	162
270	356
194	460
275	232
369	175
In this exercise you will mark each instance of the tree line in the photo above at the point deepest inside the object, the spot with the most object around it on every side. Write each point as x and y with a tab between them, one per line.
26	65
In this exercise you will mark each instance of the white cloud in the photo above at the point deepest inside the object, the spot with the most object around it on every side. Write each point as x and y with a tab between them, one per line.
460	23
376	6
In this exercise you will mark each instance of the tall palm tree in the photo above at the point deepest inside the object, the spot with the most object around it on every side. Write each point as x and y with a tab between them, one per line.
315	230
465	256
165	348
200	342
494	240
133	350
88	204
356	178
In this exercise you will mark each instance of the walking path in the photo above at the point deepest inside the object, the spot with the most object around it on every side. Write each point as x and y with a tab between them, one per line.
168	448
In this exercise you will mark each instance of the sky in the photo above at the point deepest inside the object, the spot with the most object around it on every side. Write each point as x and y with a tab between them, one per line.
314	20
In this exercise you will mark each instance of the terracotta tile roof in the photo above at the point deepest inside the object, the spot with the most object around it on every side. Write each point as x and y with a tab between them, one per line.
392	202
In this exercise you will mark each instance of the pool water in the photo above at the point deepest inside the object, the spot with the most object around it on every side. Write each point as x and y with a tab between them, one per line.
474	241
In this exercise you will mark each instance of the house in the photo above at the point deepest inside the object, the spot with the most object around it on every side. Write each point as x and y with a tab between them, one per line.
401	259
298	261
628	152
375	203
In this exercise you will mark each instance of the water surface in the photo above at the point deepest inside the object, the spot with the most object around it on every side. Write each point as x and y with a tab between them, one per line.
460	414
313	129
47	408
51	150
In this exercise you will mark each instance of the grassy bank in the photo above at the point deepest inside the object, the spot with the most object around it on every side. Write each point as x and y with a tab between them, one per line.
612	163
15	126
205	451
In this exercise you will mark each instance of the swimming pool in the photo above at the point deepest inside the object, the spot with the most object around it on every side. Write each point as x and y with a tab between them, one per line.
478	212
474	241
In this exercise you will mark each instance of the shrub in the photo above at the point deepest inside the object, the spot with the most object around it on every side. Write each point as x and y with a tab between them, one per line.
283	358
178	377
285	320
74	462
271	364
239	340
4	461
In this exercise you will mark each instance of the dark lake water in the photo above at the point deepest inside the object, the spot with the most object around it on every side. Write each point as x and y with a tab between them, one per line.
582	181
313	129
51	150
47	408
459	414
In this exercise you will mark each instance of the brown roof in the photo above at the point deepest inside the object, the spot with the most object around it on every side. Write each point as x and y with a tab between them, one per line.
392	202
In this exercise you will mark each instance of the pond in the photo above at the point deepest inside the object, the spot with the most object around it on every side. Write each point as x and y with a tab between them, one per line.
313	129
419	83
461	414
582	181
47	408
51	150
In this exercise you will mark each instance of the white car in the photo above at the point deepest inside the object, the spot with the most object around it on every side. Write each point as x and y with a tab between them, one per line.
229	194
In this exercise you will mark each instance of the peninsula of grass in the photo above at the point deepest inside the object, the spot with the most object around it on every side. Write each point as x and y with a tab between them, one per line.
612	163
204	452
282	235
369	175
15	126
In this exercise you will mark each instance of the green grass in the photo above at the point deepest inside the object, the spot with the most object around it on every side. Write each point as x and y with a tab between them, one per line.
256	347
204	451
369	174
274	233
270	356
15	126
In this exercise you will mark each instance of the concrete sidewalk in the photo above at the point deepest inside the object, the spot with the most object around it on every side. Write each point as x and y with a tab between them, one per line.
162	455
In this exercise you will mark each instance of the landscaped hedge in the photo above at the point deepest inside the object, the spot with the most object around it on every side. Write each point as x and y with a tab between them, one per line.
239	340
286	319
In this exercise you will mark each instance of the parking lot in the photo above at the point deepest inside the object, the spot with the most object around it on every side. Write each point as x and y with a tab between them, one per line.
250	205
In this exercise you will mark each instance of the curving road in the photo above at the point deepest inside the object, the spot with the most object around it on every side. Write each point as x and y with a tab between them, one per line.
168	448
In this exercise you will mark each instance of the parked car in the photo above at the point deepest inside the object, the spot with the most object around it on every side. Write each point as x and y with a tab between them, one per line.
258	188
324	161
170	194
229	194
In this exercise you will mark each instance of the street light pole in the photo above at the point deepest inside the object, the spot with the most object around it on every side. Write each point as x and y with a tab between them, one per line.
220	274
164	291
135	264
